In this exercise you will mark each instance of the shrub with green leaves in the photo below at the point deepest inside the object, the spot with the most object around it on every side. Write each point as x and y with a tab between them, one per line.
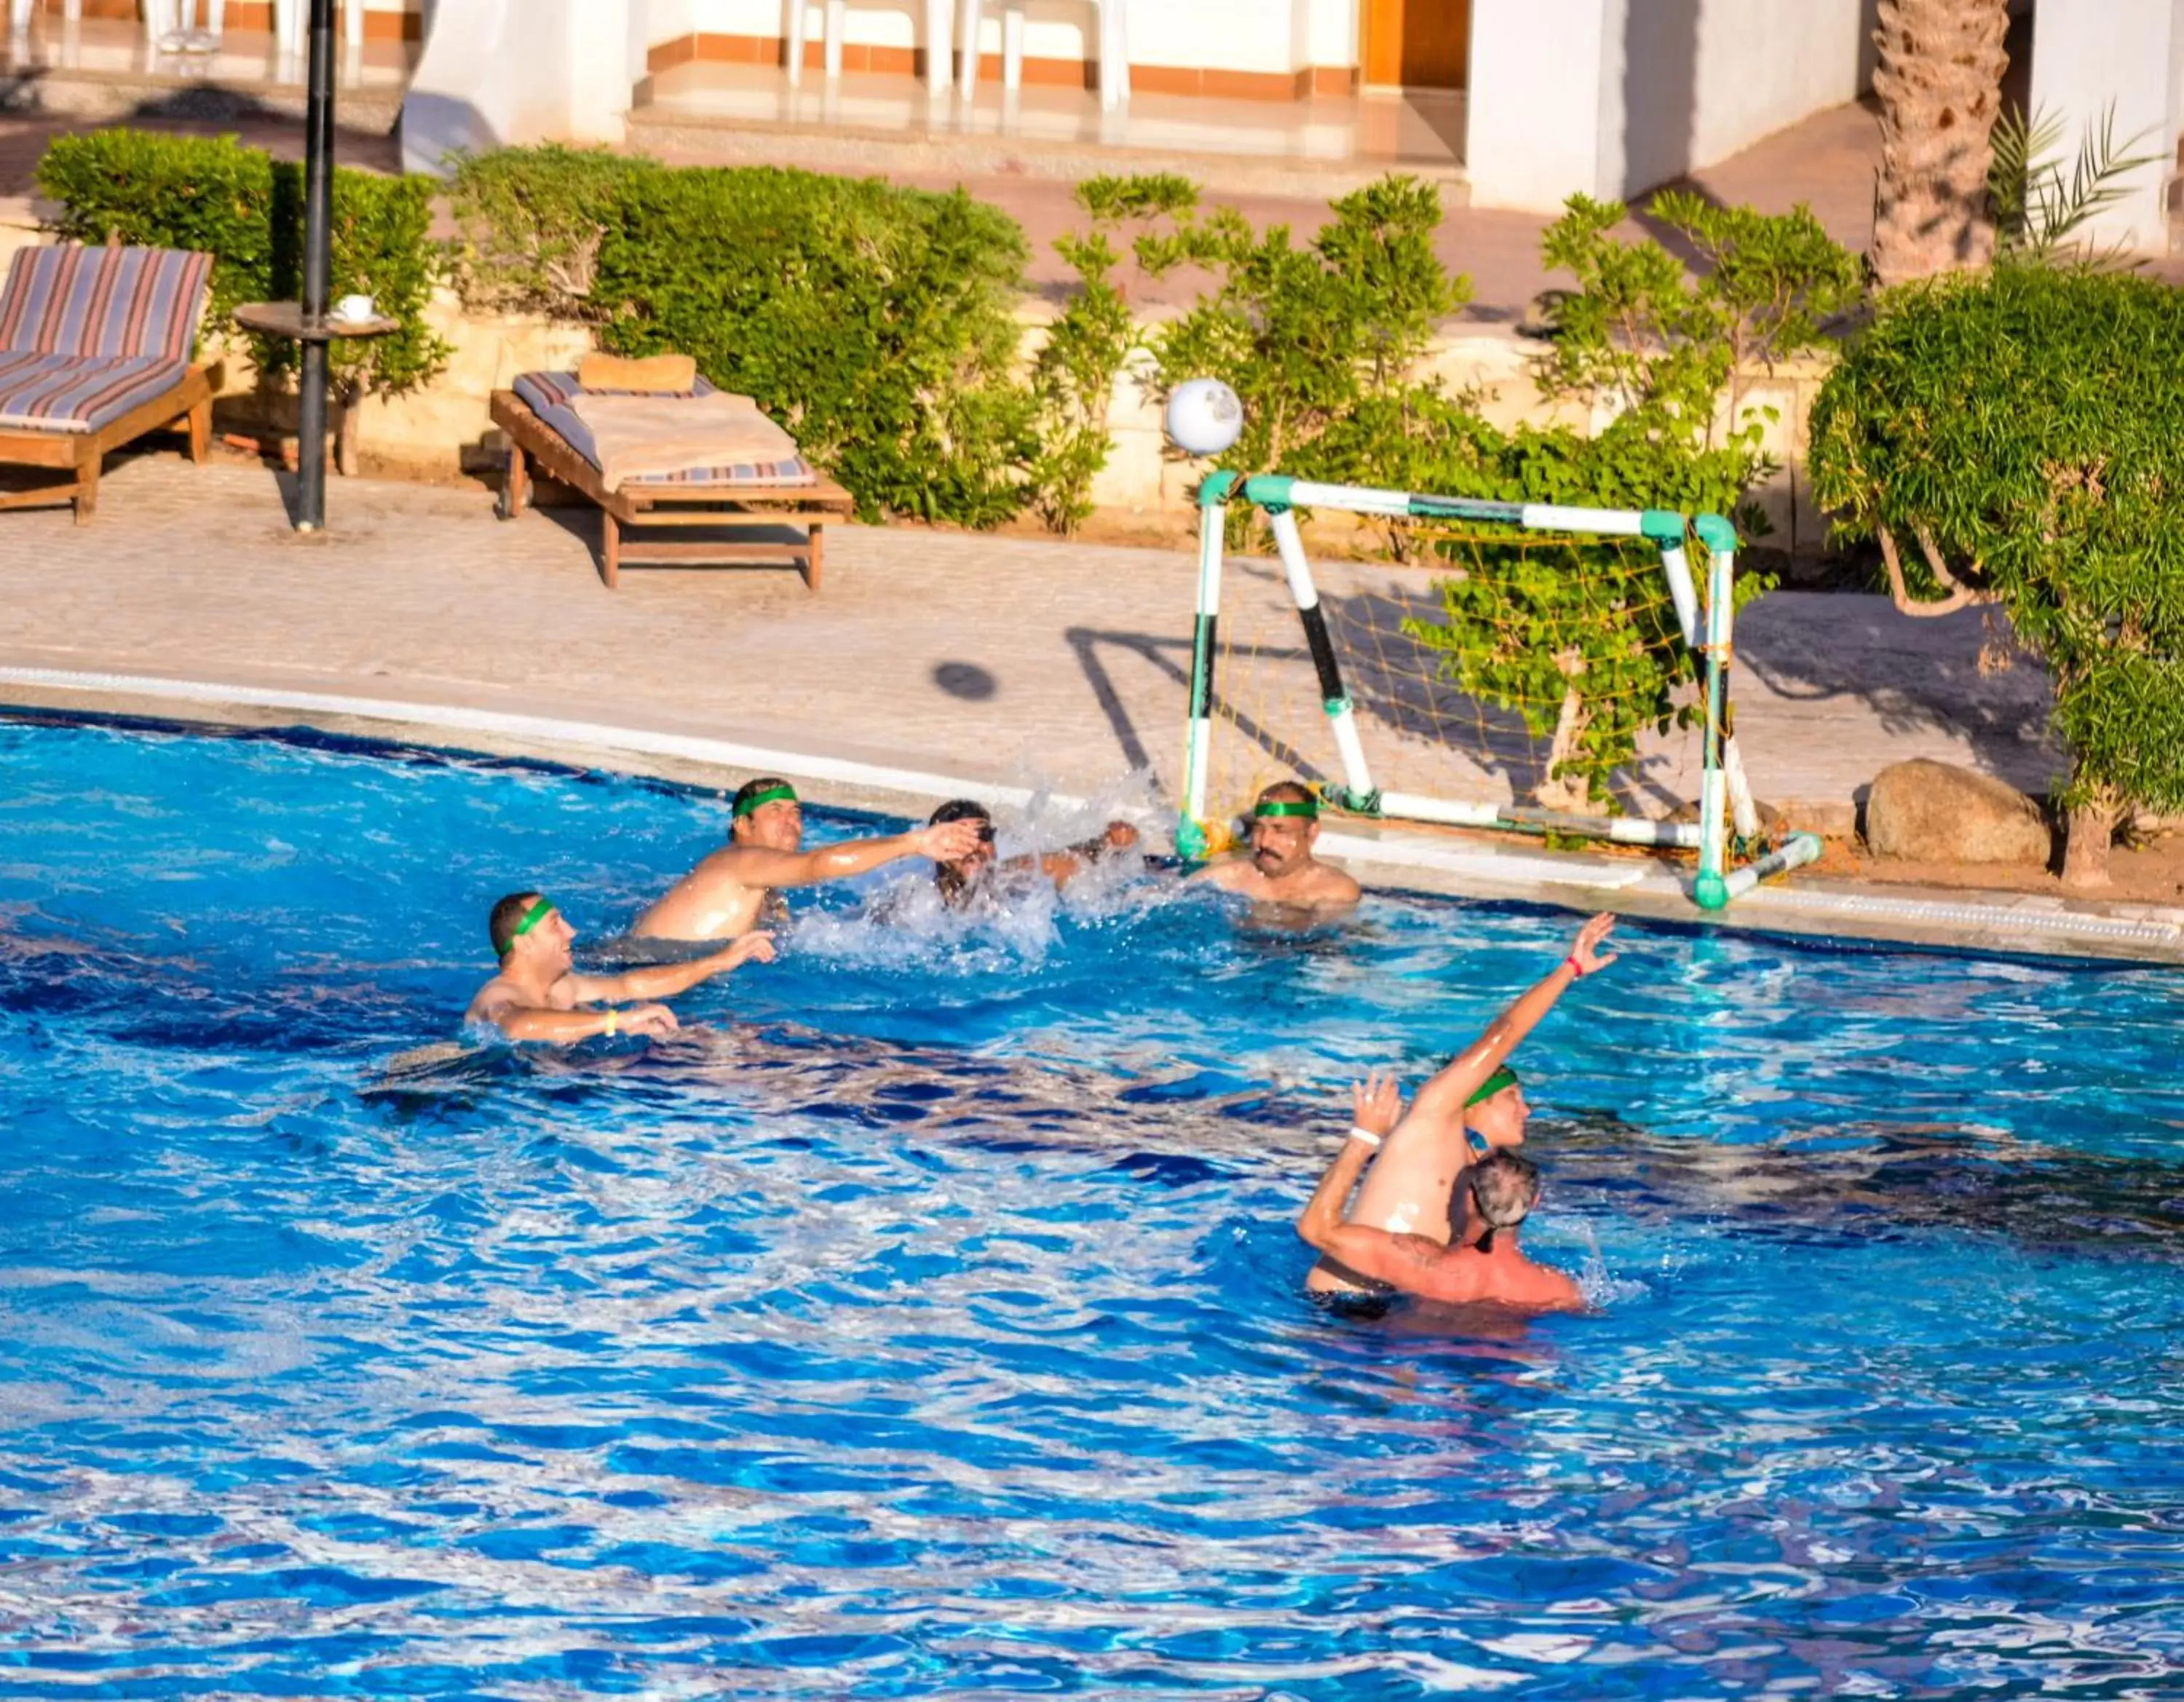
2025	428
246	209
1087	347
530	222
876	324
1578	636
1308	337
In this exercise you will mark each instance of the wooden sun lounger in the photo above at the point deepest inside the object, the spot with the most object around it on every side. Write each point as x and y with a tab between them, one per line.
83	453
86	329
733	507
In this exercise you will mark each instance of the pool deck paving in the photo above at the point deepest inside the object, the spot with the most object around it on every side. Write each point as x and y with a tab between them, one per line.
932	662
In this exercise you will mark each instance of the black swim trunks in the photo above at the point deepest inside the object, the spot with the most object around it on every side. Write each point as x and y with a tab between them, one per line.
1347	1302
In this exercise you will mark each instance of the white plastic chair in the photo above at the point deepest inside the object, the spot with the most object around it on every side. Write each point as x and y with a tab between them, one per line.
937	44
20	11
1114	47
291	18
170	25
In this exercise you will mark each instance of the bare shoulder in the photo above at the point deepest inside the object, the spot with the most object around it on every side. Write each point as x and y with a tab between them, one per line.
1553	1290
494	1001
1332	887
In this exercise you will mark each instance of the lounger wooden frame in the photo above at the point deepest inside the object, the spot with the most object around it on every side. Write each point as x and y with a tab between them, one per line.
734	507
83	453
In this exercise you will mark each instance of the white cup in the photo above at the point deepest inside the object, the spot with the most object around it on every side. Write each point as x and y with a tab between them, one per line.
353	307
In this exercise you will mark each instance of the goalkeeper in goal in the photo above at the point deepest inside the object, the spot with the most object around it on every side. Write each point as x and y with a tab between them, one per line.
1278	865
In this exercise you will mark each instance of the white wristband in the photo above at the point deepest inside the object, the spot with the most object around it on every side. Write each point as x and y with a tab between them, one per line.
1358	1132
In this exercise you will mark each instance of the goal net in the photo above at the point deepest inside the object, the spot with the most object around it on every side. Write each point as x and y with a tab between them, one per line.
1527	667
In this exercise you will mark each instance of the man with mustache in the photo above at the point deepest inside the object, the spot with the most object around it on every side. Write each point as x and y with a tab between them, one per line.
1280	868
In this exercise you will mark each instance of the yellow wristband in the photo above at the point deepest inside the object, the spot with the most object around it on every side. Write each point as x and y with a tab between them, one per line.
614	1021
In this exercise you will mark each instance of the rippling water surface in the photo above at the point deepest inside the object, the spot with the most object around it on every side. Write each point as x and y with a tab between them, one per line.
926	1317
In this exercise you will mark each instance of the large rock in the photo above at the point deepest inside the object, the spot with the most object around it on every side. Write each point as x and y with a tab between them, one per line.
1934	812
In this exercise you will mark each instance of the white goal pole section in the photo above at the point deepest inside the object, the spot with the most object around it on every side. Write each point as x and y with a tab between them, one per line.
1198	738
1677	566
1623	830
1743	810
1711	889
1801	849
1342	715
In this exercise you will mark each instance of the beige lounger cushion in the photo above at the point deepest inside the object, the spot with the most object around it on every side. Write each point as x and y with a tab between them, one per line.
674	375
653	436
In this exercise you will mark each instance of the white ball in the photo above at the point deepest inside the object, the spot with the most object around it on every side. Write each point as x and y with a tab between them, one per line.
1204	417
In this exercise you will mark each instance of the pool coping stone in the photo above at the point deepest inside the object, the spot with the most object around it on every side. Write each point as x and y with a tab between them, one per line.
850	776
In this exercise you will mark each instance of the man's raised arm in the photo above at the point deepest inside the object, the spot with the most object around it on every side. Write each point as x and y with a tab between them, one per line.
1465	1073
665	981
758	865
1378	1106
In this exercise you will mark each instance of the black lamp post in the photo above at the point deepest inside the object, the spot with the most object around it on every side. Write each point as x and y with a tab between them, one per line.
318	269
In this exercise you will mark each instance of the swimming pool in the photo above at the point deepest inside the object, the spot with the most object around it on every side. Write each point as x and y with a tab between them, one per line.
929	1322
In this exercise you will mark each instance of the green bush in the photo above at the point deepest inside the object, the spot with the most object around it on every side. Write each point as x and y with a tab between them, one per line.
1579	637
876	324
2026	429
1086	348
246	209
1325	345
1310	337
530	221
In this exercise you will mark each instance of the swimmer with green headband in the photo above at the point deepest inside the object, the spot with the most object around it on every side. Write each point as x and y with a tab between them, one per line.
1280	866
1473	1108
739	885
537	995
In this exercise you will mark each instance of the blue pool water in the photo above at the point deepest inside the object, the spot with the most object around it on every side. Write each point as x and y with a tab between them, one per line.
926	1319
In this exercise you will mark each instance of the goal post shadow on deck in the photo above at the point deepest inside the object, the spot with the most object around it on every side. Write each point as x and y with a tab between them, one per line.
1705	627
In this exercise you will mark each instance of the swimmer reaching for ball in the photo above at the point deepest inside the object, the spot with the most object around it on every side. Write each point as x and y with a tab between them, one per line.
1411	1192
965	880
734	888
1502	1187
537	994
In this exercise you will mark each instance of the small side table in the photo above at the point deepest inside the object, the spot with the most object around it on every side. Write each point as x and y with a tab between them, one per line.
287	319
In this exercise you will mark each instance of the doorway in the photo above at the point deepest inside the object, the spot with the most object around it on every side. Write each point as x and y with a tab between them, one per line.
1418	44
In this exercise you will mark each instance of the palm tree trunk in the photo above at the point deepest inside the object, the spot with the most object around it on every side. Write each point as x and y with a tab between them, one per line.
1940	83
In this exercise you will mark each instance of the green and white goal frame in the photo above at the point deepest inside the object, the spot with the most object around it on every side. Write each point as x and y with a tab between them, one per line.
1724	796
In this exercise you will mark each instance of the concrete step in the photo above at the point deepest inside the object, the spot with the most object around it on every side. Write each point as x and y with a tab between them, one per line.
692	137
107	95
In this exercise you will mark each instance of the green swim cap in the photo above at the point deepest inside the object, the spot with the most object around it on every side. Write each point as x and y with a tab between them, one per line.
1502	1077
536	913
771	794
1307	807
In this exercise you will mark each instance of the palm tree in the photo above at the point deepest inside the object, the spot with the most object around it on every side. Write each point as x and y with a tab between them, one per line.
1940	83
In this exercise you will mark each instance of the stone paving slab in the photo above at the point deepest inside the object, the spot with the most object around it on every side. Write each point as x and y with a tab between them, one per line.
998	658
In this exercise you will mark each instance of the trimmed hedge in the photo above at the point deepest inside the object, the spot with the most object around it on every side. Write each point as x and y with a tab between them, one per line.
246	209
2018	436
876	324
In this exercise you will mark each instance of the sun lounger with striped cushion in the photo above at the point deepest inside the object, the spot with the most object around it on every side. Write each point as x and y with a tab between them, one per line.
787	498
95	352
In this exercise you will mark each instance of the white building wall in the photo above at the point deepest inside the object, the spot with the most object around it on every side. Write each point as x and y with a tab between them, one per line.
1232	34
574	85
2090	54
1615	97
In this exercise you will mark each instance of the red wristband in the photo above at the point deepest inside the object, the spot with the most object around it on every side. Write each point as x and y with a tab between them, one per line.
1576	968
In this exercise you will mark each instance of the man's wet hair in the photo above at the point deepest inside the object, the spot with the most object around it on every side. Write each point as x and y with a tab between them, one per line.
1505	1186
506	914
1286	791
740	805
960	809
